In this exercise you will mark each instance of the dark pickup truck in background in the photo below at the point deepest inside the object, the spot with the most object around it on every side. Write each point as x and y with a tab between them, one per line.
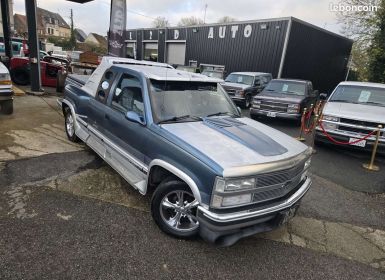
242	86
284	98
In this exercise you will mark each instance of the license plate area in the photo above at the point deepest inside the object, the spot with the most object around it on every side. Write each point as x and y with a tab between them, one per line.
272	114
358	144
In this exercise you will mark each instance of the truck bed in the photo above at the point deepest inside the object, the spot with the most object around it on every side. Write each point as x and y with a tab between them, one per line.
77	80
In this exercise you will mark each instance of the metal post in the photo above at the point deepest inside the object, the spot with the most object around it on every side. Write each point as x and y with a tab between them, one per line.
6	28
371	165
33	45
300	138
316	118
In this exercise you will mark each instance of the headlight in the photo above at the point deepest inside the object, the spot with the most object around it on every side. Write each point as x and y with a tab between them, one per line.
293	106
5	79
292	110
257	101
330	126
256	106
331	118
223	185
235	200
307	164
240	92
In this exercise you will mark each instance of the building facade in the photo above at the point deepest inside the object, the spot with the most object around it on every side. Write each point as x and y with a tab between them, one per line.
285	47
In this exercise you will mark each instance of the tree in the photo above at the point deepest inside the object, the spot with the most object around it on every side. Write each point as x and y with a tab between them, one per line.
377	49
190	21
361	26
226	19
160	22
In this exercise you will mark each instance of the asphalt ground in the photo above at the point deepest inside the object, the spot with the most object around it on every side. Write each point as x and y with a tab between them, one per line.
64	214
339	164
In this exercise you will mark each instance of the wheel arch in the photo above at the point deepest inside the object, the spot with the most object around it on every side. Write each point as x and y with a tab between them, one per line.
171	169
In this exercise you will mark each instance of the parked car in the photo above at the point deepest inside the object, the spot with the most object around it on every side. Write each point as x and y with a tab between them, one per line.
353	110
17	49
284	98
243	86
179	136
6	93
49	67
214	74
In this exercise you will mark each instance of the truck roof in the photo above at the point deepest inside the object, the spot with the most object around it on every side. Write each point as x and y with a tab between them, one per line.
167	74
363	84
292	80
251	73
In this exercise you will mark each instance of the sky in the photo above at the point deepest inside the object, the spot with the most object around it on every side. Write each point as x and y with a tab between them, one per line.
94	16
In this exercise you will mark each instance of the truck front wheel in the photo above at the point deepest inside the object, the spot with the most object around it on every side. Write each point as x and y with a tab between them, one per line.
174	208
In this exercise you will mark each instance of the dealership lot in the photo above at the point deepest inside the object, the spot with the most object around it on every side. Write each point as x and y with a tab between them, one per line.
62	210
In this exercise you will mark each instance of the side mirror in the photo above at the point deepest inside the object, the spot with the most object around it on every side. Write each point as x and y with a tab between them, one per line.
134	117
257	83
323	96
316	92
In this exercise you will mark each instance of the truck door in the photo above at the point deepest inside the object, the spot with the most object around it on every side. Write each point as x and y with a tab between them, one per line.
127	150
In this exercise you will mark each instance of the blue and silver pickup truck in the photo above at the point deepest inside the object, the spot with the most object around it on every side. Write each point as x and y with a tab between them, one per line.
178	136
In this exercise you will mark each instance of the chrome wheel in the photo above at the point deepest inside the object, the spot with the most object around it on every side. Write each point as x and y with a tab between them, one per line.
178	211
70	124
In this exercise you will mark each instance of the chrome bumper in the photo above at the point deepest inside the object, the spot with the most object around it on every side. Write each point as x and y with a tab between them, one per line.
256	111
239	216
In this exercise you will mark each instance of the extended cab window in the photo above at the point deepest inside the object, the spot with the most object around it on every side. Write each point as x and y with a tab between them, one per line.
128	95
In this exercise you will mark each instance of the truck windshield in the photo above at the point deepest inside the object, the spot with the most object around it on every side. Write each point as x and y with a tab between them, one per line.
286	87
240	79
359	95
187	101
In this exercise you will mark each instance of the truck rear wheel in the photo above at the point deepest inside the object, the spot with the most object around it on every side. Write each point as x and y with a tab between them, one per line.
174	208
7	107
69	124
20	76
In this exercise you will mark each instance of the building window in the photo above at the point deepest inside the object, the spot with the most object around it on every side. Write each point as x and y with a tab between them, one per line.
151	51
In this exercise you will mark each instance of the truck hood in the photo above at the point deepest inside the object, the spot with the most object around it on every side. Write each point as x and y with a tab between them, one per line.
280	97
233	143
235	85
360	112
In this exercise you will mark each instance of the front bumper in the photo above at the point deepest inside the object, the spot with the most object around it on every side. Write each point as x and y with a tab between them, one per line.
259	112
226	229
344	136
6	94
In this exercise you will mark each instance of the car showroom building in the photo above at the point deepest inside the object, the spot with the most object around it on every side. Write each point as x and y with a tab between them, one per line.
286	47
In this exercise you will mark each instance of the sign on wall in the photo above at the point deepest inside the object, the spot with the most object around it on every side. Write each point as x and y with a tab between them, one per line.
117	27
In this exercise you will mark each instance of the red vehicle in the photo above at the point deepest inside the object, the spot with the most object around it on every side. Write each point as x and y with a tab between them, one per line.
49	67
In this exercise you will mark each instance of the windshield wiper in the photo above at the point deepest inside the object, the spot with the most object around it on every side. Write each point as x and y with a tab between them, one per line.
373	103
343	101
221	114
179	118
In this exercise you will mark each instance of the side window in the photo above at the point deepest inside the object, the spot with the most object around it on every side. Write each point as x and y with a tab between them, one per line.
257	81
105	86
128	95
310	88
264	80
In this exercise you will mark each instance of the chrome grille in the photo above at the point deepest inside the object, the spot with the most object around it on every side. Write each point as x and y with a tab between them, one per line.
230	90
275	185
361	126
273	106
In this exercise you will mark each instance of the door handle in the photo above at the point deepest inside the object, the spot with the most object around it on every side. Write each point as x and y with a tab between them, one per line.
107	117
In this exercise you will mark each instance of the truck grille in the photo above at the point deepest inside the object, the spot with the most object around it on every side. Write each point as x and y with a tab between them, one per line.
360	130
230	90
273	106
278	184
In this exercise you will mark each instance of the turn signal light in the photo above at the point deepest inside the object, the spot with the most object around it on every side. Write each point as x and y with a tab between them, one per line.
5	82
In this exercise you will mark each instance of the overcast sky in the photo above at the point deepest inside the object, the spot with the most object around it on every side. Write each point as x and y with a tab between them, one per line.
94	16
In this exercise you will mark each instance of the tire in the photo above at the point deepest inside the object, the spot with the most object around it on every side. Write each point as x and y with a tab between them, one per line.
248	100
69	125
166	209
7	107
20	76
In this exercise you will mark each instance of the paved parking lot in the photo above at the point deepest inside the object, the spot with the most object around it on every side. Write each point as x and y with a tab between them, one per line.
65	214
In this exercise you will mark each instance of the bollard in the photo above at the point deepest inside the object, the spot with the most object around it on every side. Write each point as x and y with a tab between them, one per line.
316	118
371	165
310	112
300	138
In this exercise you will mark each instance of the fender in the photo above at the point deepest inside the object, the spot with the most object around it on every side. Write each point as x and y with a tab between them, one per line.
177	172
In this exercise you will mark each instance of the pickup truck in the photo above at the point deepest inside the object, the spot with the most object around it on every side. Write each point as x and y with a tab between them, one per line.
178	136
352	111
6	92
284	98
243	86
